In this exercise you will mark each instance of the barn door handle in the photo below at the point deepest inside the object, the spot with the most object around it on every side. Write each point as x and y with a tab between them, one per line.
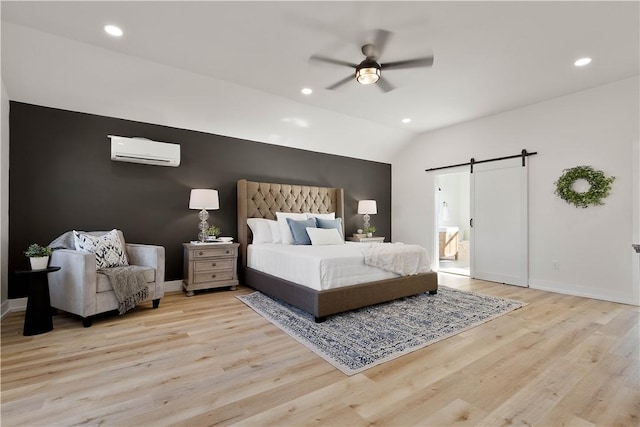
471	223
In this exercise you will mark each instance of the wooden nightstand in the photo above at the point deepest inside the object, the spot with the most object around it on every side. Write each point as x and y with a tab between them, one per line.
366	239
210	266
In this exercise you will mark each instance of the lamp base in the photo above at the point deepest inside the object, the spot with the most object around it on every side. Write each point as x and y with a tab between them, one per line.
366	219
203	225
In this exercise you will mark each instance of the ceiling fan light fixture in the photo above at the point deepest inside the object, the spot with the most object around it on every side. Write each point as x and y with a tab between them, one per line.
367	76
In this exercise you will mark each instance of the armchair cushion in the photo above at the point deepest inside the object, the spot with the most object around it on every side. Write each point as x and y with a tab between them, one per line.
107	248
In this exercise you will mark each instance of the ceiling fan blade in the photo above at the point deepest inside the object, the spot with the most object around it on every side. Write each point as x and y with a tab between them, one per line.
380	40
340	83
384	85
409	63
331	61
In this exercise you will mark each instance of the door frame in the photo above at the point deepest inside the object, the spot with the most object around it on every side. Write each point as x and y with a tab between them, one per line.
436	209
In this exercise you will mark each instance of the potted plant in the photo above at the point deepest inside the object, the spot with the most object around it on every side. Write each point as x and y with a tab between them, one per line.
369	231
38	256
213	232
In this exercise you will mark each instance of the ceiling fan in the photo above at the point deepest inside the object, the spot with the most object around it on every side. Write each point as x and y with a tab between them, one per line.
370	70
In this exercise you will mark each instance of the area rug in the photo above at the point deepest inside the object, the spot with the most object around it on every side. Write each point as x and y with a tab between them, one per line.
360	339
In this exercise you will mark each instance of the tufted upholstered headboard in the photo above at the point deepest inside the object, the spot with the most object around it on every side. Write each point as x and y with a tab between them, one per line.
264	199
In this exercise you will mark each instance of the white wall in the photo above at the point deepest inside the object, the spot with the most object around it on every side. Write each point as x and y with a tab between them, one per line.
597	127
4	198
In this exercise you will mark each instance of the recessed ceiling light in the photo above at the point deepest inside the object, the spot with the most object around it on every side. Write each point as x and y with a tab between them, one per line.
406	120
112	30
582	62
306	91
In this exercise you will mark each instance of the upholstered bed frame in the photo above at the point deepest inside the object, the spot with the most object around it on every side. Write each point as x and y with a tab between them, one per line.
263	200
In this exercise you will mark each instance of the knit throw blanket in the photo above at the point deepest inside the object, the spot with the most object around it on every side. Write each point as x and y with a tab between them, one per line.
128	284
398	258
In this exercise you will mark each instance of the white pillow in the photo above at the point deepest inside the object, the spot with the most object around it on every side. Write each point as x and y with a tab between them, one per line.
330	215
107	248
275	231
285	231
324	236
261	230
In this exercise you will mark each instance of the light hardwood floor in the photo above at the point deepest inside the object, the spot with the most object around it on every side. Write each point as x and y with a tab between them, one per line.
209	359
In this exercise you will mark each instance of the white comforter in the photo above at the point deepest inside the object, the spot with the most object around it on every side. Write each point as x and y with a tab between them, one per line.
398	258
318	267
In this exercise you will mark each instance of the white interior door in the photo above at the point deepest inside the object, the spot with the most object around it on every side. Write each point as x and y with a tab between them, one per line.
499	232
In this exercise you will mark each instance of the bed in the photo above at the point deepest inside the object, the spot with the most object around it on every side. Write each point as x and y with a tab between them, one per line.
263	200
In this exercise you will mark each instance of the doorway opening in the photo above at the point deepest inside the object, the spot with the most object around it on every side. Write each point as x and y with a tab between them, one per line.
453	213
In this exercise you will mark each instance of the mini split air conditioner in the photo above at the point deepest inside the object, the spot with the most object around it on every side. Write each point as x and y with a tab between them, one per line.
145	151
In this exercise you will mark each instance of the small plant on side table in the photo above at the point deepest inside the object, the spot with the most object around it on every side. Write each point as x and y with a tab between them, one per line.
213	231
369	231
38	256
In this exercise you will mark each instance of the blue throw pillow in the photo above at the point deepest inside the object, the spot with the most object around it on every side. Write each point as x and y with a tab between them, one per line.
331	223
299	230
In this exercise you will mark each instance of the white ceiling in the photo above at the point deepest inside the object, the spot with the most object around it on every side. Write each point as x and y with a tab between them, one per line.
236	68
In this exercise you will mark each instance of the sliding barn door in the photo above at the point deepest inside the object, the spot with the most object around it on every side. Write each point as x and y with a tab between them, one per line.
499	228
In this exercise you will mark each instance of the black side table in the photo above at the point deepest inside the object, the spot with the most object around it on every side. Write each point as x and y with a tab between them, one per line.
38	319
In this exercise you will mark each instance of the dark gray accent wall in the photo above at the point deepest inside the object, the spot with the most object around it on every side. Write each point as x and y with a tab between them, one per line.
61	178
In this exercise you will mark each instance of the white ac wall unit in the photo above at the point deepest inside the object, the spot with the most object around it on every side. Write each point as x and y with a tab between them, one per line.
145	151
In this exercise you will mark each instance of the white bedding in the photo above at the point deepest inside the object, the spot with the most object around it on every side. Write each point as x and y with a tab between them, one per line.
317	267
399	258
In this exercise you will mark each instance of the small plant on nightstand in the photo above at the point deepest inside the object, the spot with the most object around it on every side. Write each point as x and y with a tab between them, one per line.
213	231
38	256
369	231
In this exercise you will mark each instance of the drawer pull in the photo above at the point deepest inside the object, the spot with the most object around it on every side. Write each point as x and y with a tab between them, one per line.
200	253
227	251
213	276
213	264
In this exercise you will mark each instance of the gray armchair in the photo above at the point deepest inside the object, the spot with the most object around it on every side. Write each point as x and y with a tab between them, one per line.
80	289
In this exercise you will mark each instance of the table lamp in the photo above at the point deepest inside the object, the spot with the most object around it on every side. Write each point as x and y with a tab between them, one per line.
367	207
203	199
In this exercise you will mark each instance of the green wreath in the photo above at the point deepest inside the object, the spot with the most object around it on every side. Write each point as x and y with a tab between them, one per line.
600	186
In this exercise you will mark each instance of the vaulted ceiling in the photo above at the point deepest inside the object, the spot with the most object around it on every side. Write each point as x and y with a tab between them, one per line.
237	68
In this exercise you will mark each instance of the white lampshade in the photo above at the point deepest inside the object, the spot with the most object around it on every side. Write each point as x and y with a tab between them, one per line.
367	207
204	199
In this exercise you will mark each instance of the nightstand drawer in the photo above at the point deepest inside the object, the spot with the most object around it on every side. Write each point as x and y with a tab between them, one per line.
212	276
212	265
214	252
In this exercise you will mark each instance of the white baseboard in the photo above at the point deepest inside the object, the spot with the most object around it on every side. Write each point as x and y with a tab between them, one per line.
20	304
579	291
15	304
4	309
173	286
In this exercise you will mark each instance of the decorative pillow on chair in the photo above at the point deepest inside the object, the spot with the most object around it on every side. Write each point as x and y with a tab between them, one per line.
107	248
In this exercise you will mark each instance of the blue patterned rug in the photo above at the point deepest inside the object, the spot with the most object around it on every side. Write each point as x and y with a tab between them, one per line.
363	338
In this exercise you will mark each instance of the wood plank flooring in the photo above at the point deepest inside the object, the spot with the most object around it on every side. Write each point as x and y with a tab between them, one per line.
209	359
